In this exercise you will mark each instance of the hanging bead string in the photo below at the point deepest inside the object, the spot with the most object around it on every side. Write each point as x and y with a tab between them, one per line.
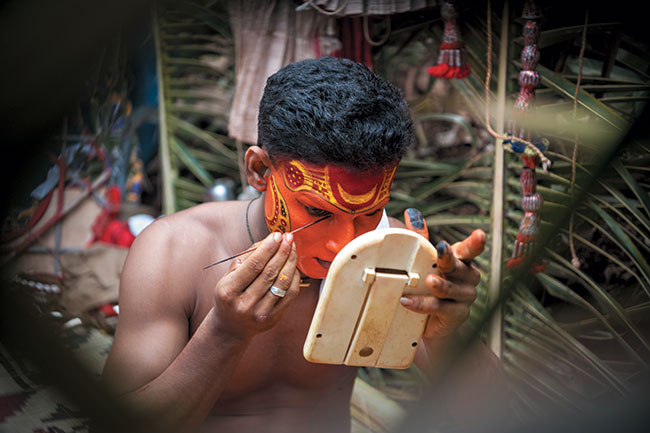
531	200
544	160
575	261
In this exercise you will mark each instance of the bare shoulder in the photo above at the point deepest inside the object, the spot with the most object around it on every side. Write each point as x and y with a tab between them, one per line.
165	258
158	292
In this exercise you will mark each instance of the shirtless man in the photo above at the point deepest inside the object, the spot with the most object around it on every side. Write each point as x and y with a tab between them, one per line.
215	349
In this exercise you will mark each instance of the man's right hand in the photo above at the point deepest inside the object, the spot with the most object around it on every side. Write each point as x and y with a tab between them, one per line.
244	304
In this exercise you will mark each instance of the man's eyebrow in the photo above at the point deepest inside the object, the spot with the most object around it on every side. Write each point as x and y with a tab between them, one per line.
382	204
319	202
316	199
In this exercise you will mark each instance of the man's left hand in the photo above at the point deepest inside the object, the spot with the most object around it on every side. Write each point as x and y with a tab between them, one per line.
453	284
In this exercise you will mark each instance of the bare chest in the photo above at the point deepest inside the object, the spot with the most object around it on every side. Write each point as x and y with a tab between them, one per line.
273	367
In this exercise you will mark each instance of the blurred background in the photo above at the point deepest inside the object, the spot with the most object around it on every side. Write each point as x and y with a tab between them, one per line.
115	113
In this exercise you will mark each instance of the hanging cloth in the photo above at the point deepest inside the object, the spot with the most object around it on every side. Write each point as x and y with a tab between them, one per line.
343	8
355	46
268	35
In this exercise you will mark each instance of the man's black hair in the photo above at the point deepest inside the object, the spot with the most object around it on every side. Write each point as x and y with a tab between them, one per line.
331	110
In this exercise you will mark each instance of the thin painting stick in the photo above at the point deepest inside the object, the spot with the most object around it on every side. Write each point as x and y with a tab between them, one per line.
254	248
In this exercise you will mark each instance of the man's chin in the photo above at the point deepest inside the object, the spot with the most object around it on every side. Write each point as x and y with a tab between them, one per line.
316	269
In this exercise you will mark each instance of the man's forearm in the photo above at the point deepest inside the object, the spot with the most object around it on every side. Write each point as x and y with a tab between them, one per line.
433	354
180	398
464	376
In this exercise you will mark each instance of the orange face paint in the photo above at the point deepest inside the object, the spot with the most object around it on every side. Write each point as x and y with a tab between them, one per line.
300	192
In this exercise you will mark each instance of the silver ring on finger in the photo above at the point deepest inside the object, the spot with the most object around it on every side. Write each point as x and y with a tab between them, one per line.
278	291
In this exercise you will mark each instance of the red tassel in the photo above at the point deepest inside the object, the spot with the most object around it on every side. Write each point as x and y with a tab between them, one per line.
451	59
463	71
439	71
514	262
535	268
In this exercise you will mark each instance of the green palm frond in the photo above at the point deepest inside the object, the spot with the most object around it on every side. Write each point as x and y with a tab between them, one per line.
195	55
553	321
550	355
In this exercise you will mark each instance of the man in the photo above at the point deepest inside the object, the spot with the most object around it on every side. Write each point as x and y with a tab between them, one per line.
217	349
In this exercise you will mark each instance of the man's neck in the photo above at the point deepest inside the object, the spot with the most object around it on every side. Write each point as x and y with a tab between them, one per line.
255	219
306	281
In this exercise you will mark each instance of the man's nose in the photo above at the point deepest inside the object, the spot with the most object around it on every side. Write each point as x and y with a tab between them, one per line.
340	233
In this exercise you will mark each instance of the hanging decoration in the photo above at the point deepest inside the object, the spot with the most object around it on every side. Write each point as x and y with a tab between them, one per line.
328	42
575	261
529	79
452	62
355	46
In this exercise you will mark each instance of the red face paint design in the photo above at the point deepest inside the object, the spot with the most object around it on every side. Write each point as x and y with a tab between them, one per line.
300	193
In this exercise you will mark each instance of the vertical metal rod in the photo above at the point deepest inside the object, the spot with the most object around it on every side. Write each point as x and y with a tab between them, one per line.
495	331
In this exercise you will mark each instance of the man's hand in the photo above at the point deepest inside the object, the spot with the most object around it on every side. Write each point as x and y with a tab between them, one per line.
453	284
244	304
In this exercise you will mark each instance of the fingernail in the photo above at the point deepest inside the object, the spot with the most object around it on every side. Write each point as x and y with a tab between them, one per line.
277	237
416	217
405	301
288	237
442	248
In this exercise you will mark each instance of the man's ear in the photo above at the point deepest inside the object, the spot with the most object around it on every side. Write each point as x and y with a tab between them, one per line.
258	167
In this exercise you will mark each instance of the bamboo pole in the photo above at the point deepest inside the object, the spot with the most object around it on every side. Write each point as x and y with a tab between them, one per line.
495	329
168	198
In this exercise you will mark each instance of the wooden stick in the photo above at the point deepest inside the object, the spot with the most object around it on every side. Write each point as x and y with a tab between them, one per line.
254	248
495	326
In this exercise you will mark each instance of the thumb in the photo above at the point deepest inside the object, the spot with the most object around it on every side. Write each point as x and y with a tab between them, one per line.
471	246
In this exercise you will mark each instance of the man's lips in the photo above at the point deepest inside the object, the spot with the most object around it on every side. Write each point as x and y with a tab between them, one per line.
323	263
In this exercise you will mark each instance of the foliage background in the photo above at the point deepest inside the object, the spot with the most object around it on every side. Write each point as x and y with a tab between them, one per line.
572	336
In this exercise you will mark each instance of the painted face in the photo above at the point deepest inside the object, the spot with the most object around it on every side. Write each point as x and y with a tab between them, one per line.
299	193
